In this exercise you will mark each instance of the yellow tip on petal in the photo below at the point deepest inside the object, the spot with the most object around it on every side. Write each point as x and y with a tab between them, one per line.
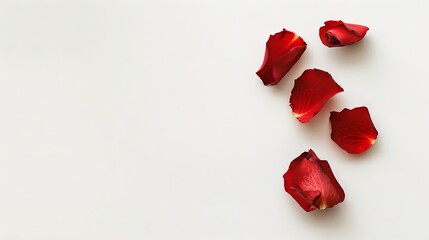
372	141
323	206
297	115
295	37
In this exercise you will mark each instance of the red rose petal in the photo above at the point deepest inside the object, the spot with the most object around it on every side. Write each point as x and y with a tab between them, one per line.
353	130
311	183
338	33
311	91
282	51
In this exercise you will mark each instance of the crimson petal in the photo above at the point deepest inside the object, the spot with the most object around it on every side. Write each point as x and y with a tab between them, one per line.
338	33
311	91
282	51
353	130
311	183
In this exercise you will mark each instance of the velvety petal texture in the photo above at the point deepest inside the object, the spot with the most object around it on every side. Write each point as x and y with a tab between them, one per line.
311	91
311	183
353	130
282	51
338	33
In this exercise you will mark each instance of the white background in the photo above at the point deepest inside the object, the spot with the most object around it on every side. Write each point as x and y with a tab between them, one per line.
145	120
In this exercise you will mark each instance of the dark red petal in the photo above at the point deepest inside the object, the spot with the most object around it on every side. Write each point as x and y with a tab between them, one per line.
282	51
338	33
353	130
311	183
311	91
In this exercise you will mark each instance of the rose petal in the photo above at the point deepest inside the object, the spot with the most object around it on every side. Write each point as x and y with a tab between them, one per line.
353	130
311	91
311	183
338	33
282	51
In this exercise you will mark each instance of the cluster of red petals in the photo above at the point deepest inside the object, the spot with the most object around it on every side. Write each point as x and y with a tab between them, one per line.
309	180
282	51
353	130
311	183
338	33
311	91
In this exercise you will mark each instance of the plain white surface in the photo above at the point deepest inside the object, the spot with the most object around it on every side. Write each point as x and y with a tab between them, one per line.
146	120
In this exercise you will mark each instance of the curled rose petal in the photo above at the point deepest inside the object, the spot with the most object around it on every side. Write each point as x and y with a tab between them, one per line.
282	51
338	33
311	183
311	91
353	130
